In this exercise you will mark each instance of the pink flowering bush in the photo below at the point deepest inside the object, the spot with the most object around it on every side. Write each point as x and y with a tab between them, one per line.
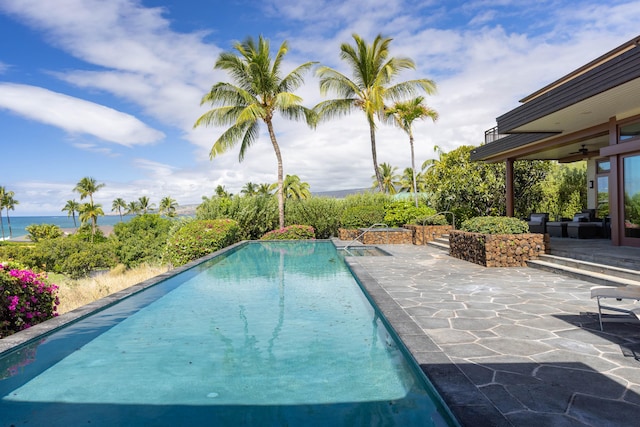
292	232
26	299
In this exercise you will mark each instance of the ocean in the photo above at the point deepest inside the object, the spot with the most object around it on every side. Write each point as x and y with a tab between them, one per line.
19	223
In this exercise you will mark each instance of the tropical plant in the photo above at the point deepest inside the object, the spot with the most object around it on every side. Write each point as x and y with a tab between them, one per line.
71	208
2	191
390	179
91	212
255	215
258	93
291	232
133	208
145	204
38	232
118	205
86	187
495	225
250	189
222	192
28	299
141	240
371	86
399	213
9	203
293	188
264	190
403	114
322	213
199	238
73	256
168	207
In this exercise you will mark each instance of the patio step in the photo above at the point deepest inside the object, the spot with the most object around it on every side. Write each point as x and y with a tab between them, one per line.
600	274
441	243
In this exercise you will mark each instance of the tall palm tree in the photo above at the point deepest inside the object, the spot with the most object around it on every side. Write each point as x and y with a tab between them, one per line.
168	206
390	179
403	114
118	205
86	187
71	208
258	94
222	192
9	203
90	212
144	204
371	86
133	208
295	189
3	190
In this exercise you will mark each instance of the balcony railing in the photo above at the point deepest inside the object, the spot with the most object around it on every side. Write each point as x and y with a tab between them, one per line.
492	135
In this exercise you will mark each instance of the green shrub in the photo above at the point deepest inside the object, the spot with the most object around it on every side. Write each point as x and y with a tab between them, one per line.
431	220
73	257
26	299
495	225
142	240
39	232
362	216
399	213
199	238
292	232
85	233
322	213
255	215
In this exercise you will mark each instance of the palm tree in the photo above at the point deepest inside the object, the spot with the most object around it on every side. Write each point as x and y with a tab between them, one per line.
71	208
91	212
264	190
295	189
249	189
373	72
133	208
118	205
222	192
259	92
86	187
390	182
144	204
3	190
9	203
403	115
168	206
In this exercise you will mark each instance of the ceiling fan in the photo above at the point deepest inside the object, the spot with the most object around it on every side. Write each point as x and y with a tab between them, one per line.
583	150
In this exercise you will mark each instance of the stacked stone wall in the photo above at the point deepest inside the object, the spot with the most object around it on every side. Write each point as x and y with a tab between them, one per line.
348	233
496	250
397	236
422	234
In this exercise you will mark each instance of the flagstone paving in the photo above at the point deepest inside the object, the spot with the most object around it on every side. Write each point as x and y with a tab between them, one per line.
507	346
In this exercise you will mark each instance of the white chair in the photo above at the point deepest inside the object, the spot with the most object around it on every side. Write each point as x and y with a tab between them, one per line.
619	293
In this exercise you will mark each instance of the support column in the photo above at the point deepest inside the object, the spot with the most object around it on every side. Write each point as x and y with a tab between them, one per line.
509	187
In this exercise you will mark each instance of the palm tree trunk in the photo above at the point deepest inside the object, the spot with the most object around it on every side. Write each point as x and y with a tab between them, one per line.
413	169
372	132
73	214
276	148
1	224
9	222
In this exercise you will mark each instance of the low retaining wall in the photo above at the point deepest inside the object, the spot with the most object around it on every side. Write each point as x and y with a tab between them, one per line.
496	250
422	234
378	236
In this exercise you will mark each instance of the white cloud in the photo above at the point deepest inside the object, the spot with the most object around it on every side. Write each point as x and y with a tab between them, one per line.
75	115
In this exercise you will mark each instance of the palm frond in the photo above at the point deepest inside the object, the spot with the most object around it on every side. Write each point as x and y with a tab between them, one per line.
333	108
229	139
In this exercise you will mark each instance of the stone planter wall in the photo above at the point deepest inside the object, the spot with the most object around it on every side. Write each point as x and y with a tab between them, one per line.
496	250
422	234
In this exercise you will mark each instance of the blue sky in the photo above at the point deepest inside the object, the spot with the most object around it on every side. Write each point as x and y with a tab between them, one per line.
111	89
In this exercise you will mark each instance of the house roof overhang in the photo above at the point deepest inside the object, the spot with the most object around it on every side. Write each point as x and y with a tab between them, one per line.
558	120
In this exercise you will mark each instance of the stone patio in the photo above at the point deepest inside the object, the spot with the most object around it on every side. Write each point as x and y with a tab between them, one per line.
507	346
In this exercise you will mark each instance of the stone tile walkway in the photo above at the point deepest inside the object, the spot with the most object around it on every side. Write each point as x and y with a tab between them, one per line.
507	346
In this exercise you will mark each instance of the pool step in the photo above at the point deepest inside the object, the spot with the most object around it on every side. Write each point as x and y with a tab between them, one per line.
600	274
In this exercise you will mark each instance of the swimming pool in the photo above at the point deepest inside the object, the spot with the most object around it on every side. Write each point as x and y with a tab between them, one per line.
269	333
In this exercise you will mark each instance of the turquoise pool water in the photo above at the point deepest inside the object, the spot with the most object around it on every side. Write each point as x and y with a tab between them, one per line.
268	334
